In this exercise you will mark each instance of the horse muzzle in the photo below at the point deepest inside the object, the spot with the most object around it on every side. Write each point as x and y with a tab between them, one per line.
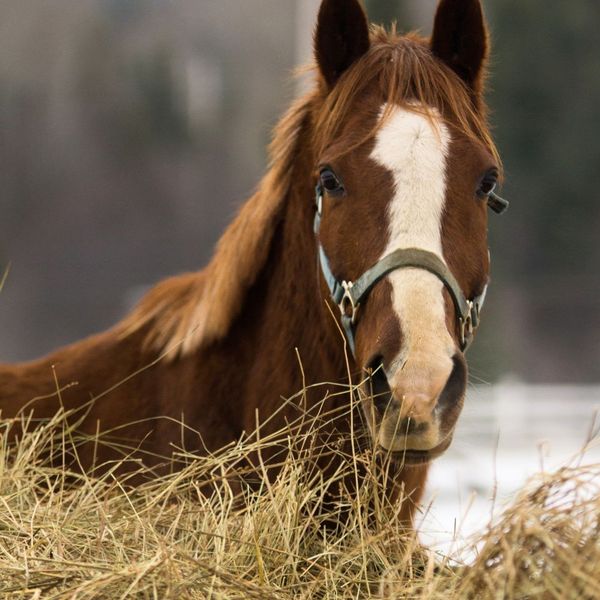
412	410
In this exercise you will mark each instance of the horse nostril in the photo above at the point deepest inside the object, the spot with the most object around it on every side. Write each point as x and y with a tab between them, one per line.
456	385
409	426
379	387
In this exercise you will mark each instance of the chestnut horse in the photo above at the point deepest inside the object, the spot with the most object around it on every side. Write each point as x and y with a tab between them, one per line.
382	270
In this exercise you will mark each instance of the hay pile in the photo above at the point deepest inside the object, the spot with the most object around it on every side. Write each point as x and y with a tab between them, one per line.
66	535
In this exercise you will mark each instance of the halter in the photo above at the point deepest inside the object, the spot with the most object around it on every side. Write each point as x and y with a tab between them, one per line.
348	295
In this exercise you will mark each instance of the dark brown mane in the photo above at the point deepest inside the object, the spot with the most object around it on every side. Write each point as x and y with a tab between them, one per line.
187	312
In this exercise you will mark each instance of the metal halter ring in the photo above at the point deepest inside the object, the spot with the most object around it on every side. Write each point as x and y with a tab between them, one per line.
347	304
466	324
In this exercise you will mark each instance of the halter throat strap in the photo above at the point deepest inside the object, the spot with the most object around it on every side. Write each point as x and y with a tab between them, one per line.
348	295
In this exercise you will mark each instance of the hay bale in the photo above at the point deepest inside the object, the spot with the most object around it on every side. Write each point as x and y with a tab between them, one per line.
64	534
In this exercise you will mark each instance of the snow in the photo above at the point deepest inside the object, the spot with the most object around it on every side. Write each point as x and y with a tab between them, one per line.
506	434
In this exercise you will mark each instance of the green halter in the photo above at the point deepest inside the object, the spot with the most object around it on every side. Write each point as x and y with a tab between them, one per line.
348	295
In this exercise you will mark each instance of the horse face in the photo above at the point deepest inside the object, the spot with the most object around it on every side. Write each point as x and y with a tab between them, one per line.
418	182
417	185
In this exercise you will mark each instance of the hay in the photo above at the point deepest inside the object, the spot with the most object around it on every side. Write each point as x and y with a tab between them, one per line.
68	535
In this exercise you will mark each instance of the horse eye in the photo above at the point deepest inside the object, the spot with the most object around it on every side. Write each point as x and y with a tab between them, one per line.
330	182
488	185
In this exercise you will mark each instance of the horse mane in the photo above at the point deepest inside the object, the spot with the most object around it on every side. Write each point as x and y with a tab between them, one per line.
188	311
184	313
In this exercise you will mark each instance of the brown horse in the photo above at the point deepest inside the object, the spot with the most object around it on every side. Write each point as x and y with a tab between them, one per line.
394	140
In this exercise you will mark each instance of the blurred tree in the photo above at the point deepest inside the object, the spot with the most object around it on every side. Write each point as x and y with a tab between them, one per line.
109	182
158	110
545	98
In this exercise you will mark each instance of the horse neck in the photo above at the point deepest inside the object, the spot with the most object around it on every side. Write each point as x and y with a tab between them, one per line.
286	311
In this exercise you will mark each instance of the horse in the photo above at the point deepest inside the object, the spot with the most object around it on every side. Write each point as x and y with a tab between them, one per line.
362	254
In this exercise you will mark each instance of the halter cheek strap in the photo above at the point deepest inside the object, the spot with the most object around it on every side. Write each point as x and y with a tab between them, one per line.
348	295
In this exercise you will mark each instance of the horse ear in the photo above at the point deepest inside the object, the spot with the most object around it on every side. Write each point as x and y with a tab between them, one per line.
460	39
341	37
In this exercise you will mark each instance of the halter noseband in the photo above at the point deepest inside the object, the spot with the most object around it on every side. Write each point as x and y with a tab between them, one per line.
349	294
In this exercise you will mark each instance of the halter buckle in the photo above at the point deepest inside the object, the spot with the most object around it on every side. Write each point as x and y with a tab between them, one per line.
347	306
466	325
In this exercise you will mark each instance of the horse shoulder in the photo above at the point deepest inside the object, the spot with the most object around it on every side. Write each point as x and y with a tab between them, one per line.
118	358
67	378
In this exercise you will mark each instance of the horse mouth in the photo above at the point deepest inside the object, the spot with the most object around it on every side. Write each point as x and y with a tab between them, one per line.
414	458
401	441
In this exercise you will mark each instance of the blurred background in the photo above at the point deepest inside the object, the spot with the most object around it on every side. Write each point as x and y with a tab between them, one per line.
131	130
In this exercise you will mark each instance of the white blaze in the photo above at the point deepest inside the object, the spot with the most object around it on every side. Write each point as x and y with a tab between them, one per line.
414	150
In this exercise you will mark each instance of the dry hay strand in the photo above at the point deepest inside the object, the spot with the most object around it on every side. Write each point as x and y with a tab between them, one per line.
546	543
200	533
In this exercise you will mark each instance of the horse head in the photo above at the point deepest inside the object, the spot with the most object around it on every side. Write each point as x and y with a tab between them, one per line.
404	170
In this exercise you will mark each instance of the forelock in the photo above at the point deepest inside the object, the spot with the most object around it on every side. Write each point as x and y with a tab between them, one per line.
403	72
